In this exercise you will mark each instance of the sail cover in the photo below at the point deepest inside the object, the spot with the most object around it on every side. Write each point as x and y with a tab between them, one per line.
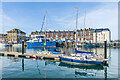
76	51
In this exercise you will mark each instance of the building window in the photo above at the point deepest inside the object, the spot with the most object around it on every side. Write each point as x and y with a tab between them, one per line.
104	36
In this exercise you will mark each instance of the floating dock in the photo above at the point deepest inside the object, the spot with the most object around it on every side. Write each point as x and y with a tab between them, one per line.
31	55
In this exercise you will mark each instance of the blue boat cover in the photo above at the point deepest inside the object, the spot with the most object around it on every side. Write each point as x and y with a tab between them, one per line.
60	41
76	51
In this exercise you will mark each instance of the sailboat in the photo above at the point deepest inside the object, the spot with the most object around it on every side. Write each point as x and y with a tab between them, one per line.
84	43
82	57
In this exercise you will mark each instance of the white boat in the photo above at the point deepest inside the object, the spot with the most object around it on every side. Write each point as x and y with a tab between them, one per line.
44	52
17	45
2	45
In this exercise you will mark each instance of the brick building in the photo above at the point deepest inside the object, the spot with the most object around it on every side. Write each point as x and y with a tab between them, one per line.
15	36
83	35
3	38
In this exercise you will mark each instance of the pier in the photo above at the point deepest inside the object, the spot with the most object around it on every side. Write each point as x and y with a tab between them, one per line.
31	55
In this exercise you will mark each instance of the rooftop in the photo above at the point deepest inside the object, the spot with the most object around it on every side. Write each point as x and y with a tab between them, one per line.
101	29
16	30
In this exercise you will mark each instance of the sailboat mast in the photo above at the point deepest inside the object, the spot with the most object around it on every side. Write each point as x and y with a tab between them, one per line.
84	27
76	26
45	27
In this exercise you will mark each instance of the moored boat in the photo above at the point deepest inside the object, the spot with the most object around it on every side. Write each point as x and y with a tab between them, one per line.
82	60
83	57
41	42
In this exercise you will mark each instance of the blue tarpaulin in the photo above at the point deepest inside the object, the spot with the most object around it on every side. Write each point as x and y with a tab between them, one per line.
76	51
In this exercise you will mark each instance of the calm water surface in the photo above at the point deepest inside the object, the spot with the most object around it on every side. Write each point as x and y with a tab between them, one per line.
26	68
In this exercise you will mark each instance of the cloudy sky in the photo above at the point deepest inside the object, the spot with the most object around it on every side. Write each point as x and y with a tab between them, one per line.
28	16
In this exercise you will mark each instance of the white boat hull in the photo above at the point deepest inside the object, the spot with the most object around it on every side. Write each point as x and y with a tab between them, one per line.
17	45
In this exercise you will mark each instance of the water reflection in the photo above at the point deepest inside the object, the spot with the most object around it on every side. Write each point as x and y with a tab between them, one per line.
23	65
50	62
67	50
79	71
14	59
84	73
96	67
11	49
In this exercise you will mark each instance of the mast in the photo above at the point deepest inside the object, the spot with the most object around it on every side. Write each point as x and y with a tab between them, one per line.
45	26
76	27
84	27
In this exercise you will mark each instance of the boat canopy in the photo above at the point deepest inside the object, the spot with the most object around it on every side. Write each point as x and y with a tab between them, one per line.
76	51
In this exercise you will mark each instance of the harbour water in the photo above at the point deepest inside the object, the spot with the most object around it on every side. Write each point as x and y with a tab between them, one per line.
29	68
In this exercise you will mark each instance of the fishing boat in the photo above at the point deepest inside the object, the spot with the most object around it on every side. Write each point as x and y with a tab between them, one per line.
40	40
83	57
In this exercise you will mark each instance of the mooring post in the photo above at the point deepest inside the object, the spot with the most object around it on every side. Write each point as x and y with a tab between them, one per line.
23	47
105	49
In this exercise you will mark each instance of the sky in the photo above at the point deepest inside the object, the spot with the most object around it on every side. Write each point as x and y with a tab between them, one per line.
28	16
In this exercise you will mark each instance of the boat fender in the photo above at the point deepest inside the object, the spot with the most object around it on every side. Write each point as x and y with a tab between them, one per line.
35	57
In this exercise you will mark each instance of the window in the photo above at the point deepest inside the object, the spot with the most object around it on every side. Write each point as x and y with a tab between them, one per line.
104	36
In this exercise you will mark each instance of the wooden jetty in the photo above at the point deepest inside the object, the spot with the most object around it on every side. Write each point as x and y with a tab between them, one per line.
31	55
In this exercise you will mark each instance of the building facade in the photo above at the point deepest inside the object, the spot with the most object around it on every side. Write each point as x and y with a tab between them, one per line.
90	35
15	36
3	38
101	35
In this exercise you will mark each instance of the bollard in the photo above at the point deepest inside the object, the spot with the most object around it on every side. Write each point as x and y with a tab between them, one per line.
22	47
